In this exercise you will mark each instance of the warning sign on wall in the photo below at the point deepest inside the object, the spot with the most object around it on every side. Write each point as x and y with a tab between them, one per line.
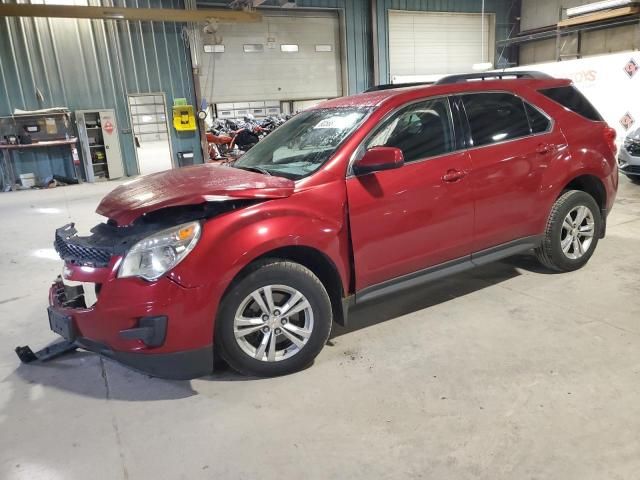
107	126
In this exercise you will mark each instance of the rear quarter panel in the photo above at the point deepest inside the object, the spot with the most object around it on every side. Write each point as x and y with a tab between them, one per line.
587	154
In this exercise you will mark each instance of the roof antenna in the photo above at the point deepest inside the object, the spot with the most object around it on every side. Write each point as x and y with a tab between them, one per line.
483	66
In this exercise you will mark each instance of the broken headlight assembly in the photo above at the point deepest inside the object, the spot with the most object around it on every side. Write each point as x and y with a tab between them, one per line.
158	253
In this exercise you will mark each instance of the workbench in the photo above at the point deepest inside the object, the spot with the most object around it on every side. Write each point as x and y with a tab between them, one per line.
8	149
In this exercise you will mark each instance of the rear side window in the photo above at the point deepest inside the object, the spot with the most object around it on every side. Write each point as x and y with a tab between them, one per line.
569	97
495	117
537	121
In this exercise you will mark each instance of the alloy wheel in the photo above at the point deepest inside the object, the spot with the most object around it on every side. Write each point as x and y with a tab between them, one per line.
578	229
273	323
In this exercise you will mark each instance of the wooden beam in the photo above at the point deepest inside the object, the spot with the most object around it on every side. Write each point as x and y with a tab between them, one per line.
113	13
599	16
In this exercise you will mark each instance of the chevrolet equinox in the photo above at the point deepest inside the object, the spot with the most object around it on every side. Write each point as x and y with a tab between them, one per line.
351	200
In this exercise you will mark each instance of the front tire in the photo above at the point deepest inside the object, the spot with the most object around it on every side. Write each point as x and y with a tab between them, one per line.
274	320
572	232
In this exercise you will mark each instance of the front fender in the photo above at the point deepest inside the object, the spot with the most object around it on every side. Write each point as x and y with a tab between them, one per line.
313	218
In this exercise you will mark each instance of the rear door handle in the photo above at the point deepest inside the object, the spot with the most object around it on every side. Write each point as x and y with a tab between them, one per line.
543	148
453	175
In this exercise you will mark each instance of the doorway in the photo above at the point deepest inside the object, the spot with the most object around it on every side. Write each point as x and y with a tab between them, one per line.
150	130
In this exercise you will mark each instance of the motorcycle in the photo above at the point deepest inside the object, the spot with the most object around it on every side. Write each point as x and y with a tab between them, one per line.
228	139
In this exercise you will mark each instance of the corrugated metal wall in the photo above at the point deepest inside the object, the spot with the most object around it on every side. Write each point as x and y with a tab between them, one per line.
357	24
85	64
501	8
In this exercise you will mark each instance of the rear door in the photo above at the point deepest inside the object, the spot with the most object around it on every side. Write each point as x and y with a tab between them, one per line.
512	144
421	214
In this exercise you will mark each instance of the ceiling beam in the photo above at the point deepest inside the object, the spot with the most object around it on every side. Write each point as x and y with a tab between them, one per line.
113	13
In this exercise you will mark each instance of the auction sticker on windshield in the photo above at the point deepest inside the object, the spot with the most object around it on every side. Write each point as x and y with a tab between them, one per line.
339	122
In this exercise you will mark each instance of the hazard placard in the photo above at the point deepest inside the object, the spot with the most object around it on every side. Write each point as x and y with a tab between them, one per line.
107	126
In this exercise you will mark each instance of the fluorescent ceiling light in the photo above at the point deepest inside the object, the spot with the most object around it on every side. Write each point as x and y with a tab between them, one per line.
597	6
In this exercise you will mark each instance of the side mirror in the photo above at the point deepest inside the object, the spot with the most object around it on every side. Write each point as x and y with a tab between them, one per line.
379	158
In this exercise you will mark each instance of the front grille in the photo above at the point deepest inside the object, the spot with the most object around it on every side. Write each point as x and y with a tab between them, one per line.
631	169
633	147
69	247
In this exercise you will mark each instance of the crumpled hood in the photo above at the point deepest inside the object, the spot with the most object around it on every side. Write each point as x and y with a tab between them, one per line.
189	186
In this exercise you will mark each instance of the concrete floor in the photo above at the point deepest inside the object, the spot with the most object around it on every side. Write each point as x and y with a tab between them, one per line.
507	372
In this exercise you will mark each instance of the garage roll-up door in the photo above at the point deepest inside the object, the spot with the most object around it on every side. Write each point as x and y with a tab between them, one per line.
422	43
281	58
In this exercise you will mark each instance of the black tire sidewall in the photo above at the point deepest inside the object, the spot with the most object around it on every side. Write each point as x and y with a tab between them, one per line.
276	273
575	199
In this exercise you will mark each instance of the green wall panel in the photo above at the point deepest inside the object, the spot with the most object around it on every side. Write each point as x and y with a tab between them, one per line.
86	64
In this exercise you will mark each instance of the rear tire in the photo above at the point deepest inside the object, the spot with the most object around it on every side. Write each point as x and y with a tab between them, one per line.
274	320
572	232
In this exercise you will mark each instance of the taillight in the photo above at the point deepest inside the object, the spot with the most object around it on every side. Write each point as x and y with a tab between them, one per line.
610	138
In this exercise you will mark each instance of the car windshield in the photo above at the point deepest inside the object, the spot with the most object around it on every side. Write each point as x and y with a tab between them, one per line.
301	145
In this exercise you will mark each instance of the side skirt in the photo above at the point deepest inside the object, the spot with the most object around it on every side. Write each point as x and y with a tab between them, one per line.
445	269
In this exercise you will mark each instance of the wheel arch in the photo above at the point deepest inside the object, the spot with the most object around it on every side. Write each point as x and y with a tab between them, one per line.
319	263
589	184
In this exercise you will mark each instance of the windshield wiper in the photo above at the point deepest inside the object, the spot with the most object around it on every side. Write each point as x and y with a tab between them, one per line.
254	169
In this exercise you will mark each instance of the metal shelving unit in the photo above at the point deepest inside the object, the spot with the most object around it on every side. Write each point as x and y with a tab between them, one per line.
99	138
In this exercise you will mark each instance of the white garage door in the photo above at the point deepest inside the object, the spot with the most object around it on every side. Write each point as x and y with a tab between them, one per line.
423	43
280	58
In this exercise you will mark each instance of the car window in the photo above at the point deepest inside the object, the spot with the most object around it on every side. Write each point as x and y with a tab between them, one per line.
420	130
495	117
304	143
569	97
537	121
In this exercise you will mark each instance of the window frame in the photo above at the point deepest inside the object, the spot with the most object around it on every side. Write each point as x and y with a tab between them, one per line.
360	149
460	125
468	133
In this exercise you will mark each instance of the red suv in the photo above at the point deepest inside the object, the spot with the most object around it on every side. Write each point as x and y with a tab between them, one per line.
352	200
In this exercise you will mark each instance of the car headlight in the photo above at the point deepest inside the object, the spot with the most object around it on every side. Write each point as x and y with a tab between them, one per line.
156	254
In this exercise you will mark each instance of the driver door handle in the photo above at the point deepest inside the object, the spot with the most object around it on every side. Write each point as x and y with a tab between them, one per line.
453	175
543	148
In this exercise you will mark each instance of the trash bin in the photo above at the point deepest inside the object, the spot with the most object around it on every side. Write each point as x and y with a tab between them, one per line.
185	158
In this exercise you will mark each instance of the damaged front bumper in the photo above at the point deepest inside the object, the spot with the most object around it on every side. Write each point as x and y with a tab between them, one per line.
161	328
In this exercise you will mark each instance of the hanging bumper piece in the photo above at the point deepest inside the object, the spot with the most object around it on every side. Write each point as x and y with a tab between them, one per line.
54	350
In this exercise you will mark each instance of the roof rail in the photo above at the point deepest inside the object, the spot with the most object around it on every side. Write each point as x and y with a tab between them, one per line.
501	75
389	86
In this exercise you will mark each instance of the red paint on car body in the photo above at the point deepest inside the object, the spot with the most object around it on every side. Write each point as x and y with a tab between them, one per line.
189	186
370	229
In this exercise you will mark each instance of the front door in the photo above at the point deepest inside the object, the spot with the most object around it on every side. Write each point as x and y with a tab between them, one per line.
513	144
419	215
